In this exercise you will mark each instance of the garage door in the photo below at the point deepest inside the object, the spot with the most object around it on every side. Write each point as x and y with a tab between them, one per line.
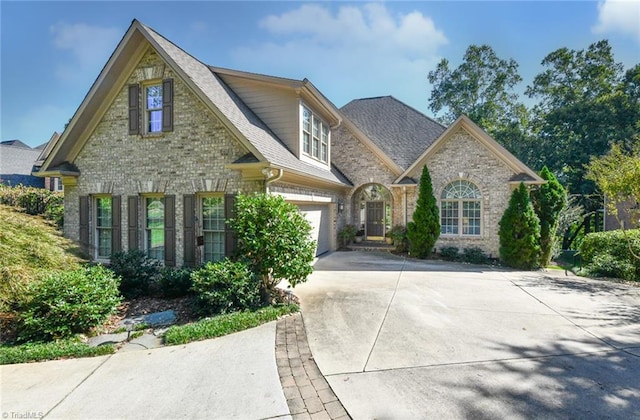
319	216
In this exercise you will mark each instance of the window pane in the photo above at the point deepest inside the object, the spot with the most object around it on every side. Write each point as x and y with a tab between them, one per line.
324	154
460	189
306	120
103	212
103	227
449	218
306	142
154	97
213	246
471	218
104	243
155	121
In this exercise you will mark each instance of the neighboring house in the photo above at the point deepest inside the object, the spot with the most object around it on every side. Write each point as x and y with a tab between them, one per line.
628	213
162	143
17	161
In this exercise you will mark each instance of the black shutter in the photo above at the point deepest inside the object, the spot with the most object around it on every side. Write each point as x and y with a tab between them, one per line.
84	224
167	105
116	221
132	209
189	211
134	109
230	238
170	230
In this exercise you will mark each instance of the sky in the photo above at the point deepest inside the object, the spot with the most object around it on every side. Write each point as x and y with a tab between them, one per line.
51	52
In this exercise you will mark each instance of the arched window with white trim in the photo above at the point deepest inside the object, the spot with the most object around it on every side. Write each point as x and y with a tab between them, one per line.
460	209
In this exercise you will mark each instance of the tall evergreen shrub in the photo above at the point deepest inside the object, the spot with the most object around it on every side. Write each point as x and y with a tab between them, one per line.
520	232
548	202
424	230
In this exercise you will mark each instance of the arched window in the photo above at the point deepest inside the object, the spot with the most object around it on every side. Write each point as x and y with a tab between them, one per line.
460	209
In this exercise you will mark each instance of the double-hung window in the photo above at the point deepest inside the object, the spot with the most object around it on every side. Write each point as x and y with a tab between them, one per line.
103	227
154	227
460	209
153	108
315	136
213	228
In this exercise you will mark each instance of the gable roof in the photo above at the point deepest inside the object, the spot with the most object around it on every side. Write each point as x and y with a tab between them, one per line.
238	118
397	129
16	158
522	173
14	143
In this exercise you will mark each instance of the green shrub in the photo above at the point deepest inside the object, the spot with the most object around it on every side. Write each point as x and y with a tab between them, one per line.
174	282
347	234
35	201
274	238
225	286
520	232
67	303
474	255
136	270
607	254
548	201
398	234
424	230
450	253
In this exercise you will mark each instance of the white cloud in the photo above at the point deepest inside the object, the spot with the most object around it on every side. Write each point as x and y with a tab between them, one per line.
619	16
89	46
361	50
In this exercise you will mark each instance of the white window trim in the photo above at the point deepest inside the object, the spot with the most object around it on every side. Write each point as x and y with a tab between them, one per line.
201	231
322	123
146	111
460	202
93	208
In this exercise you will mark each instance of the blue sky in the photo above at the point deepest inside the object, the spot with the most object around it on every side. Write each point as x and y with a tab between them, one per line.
51	52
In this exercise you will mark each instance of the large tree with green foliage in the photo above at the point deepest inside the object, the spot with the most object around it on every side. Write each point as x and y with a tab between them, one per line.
520	232
483	88
274	239
548	202
424	230
617	175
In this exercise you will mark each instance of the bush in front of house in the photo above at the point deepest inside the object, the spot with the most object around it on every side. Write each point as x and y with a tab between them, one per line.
450	253
68	303
274	239
520	232
423	231
608	254
136	270
225	286
174	282
474	255
548	201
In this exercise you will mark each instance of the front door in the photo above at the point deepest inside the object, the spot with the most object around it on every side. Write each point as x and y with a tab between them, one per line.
375	220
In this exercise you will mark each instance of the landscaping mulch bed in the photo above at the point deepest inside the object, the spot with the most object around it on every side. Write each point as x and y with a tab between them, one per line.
183	307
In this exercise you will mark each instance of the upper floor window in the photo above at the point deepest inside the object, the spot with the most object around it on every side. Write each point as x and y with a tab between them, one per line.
153	107
315	136
460	209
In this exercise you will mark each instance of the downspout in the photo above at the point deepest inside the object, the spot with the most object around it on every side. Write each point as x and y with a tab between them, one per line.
269	177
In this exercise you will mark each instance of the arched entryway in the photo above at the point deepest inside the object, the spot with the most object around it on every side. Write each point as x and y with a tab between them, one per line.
373	211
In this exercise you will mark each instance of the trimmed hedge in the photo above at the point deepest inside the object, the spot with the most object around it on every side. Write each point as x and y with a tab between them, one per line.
607	254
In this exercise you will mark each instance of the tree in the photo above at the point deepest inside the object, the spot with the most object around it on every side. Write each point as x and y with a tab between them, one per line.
424	230
584	107
274	239
548	202
617	175
482	88
520	232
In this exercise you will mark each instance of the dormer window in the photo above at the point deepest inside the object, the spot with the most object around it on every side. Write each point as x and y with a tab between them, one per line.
315	136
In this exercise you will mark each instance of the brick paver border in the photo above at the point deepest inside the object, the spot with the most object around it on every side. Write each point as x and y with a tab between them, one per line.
308	394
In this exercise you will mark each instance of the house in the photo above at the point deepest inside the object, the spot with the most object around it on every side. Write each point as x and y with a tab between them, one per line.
17	161
50	183
162	143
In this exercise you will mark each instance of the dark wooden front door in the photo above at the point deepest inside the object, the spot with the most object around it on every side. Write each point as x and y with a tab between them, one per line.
375	218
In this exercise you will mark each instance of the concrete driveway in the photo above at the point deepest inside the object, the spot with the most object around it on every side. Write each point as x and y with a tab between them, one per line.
404	339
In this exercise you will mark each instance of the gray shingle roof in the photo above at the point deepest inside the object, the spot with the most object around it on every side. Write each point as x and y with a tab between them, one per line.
239	114
400	131
16	159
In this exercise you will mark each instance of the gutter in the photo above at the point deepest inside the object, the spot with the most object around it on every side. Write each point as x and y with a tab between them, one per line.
270	176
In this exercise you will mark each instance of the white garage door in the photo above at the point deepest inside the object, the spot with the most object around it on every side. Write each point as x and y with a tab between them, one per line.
319	217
